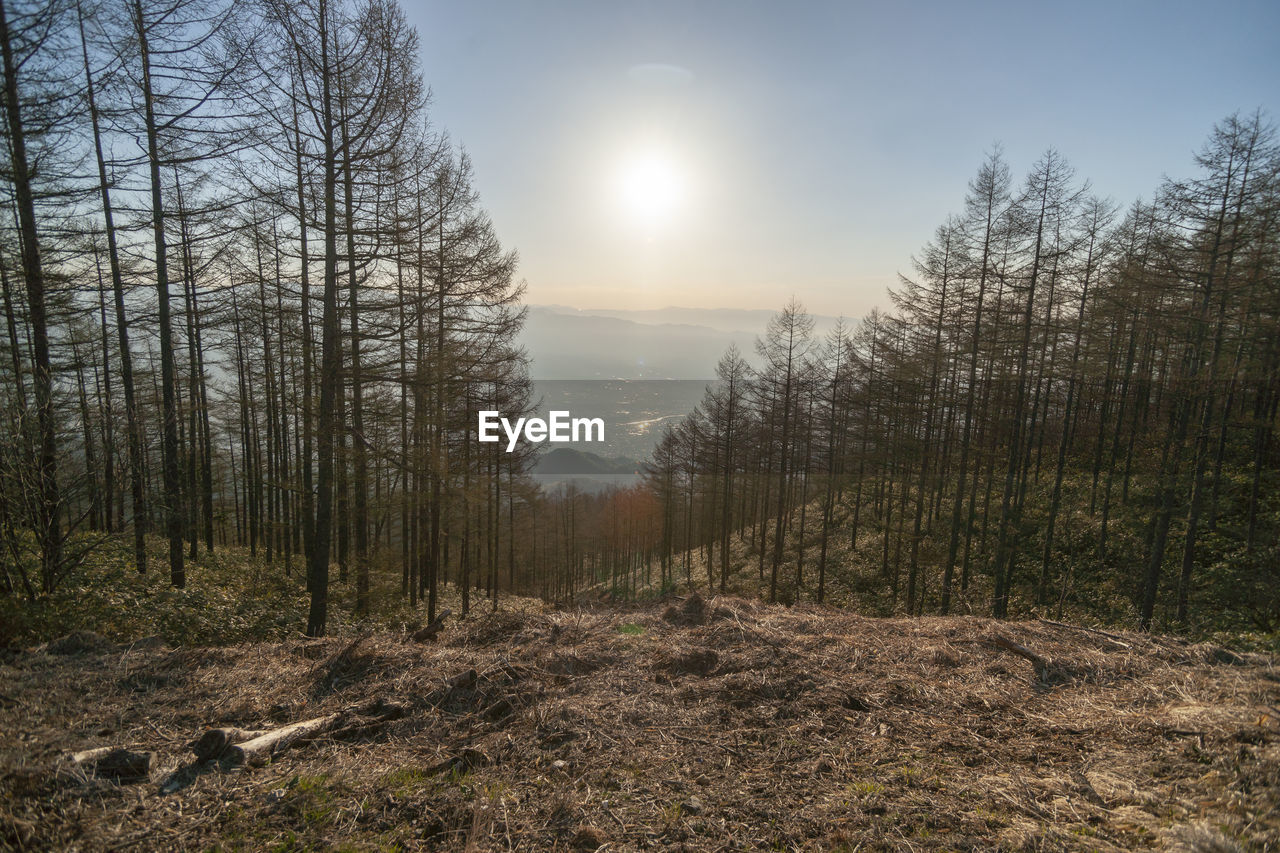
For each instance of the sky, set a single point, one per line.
(735, 154)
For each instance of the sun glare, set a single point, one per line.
(651, 187)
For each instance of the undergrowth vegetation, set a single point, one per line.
(1234, 606)
(230, 597)
(233, 597)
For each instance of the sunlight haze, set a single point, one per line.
(825, 141)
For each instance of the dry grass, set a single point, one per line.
(678, 725)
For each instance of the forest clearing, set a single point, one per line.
(681, 724)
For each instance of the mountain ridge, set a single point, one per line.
(667, 343)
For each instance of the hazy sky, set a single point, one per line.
(717, 154)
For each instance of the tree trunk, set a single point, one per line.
(49, 505)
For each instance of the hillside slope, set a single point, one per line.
(675, 725)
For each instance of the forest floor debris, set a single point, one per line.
(681, 724)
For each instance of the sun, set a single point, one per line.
(651, 187)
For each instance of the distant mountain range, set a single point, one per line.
(662, 343)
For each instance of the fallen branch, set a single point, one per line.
(259, 750)
(213, 743)
(1115, 638)
(464, 681)
(1019, 649)
(88, 756)
(256, 746)
(114, 762)
(1046, 670)
(428, 633)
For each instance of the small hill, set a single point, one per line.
(679, 725)
(566, 460)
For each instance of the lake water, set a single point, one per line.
(634, 410)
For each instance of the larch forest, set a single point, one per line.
(252, 302)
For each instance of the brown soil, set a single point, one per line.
(725, 725)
